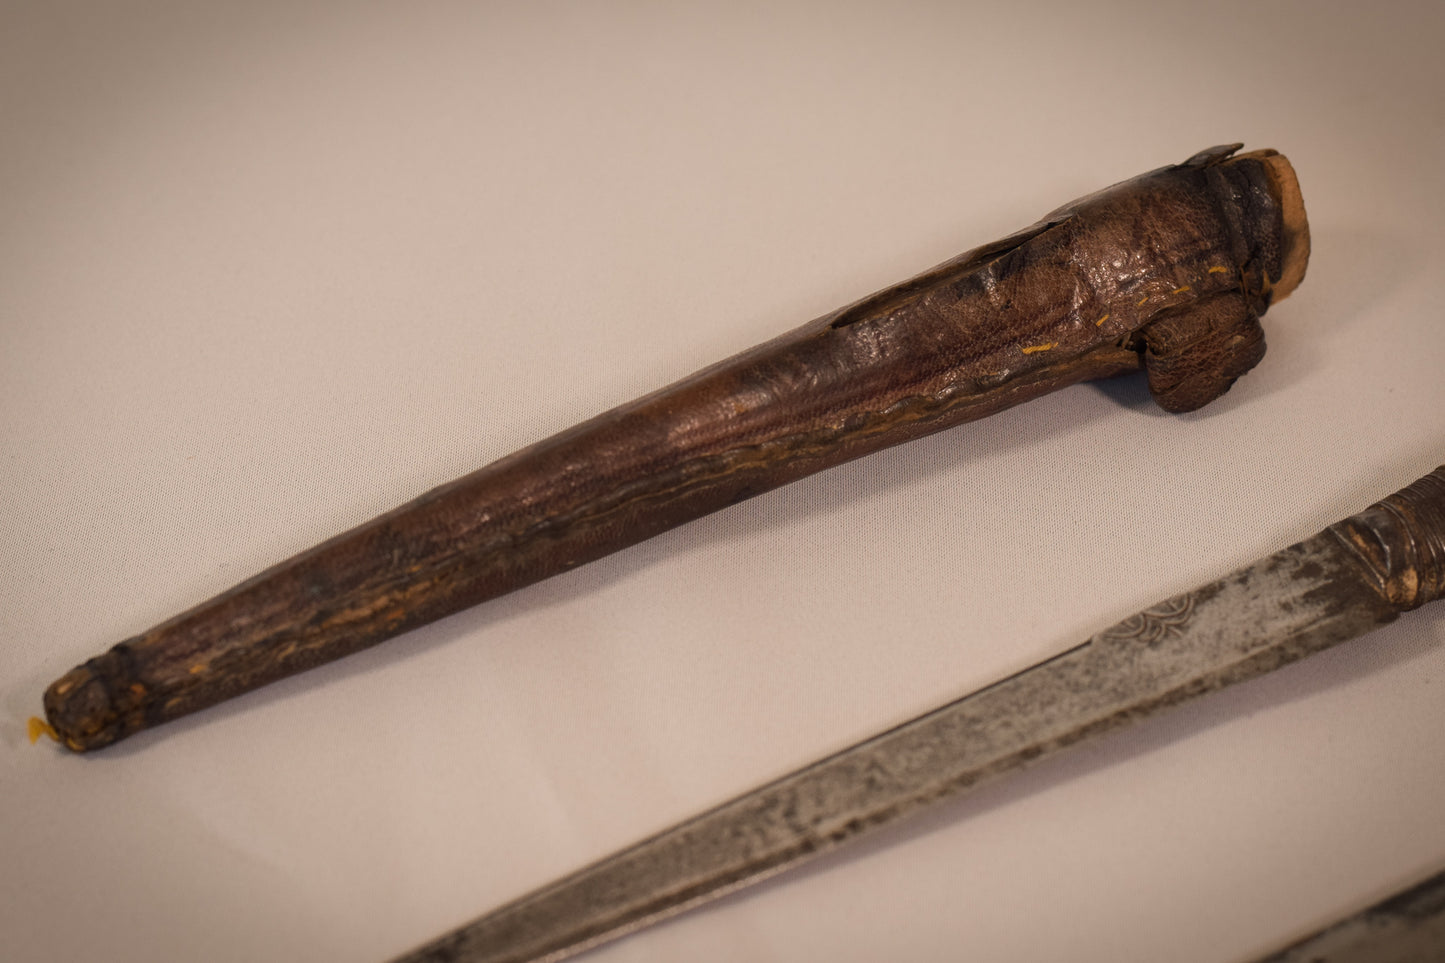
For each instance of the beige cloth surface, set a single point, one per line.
(267, 270)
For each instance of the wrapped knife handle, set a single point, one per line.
(1400, 542)
(1168, 272)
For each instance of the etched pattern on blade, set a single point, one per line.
(1156, 623)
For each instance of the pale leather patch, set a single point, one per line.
(1296, 225)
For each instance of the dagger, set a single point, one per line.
(1355, 576)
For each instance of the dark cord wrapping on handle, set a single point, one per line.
(1400, 541)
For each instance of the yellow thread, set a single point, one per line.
(198, 668)
(1218, 270)
(1180, 290)
(1141, 301)
(38, 727)
(1040, 347)
(1101, 320)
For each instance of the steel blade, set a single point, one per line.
(1342, 583)
(1408, 927)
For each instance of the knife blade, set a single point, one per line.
(1405, 927)
(1349, 579)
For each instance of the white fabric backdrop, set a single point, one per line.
(267, 270)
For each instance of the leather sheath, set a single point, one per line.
(1168, 272)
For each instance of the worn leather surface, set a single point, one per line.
(1169, 269)
(1195, 354)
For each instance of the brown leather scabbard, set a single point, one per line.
(1169, 272)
